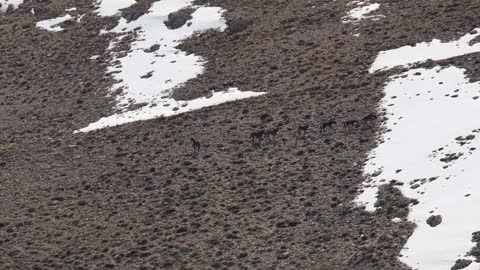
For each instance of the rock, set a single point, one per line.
(377, 173)
(414, 201)
(242, 255)
(146, 76)
(134, 16)
(10, 9)
(40, 11)
(360, 257)
(136, 106)
(153, 48)
(266, 118)
(461, 264)
(287, 223)
(178, 18)
(67, 24)
(111, 25)
(434, 220)
(237, 25)
(415, 186)
(57, 199)
(476, 237)
(283, 256)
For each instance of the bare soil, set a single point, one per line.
(135, 197)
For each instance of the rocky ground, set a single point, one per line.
(135, 197)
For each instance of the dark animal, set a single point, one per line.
(350, 123)
(302, 130)
(195, 145)
(369, 118)
(257, 135)
(271, 133)
(328, 125)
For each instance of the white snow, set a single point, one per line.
(112, 7)
(53, 24)
(396, 220)
(434, 50)
(175, 107)
(80, 18)
(361, 12)
(6, 3)
(425, 118)
(149, 77)
(169, 67)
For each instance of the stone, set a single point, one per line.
(461, 264)
(434, 220)
(237, 25)
(152, 48)
(178, 18)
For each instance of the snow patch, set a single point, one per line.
(396, 220)
(361, 12)
(174, 107)
(148, 74)
(434, 50)
(5, 3)
(112, 7)
(53, 24)
(431, 148)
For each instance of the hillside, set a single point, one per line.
(332, 134)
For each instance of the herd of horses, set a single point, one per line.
(271, 133)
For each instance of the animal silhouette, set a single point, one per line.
(196, 145)
(257, 135)
(350, 123)
(328, 125)
(271, 133)
(302, 130)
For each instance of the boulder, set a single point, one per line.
(434, 220)
(237, 25)
(178, 18)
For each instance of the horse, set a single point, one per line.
(259, 134)
(271, 133)
(195, 145)
(350, 123)
(328, 125)
(302, 129)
